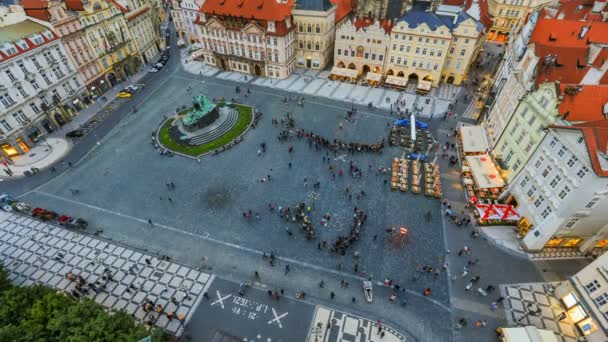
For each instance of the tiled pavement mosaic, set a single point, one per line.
(332, 326)
(30, 250)
(518, 296)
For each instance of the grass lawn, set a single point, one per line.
(245, 115)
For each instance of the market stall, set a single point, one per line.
(496, 214)
(487, 181)
(472, 140)
(344, 74)
(424, 87)
(395, 82)
(373, 79)
(525, 334)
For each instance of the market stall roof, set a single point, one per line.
(474, 139)
(503, 212)
(396, 80)
(484, 172)
(528, 334)
(372, 76)
(424, 85)
(344, 72)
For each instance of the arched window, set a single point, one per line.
(301, 44)
(318, 29)
(301, 28)
(317, 46)
(309, 29)
(308, 46)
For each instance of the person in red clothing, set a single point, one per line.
(427, 291)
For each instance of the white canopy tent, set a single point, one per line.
(484, 172)
(474, 139)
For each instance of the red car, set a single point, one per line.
(44, 215)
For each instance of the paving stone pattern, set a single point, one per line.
(28, 249)
(333, 326)
(518, 296)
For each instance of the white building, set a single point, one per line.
(562, 192)
(39, 85)
(141, 24)
(184, 14)
(585, 299)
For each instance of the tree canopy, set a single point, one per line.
(37, 313)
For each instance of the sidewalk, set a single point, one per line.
(41, 156)
(316, 83)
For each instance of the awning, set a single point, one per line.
(197, 53)
(372, 76)
(396, 81)
(344, 72)
(527, 334)
(424, 85)
(503, 212)
(474, 139)
(484, 172)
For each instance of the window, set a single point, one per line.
(22, 67)
(539, 162)
(34, 84)
(539, 201)
(561, 151)
(555, 181)
(392, 60)
(531, 191)
(463, 52)
(35, 108)
(571, 223)
(435, 66)
(516, 164)
(524, 181)
(380, 58)
(529, 146)
(592, 203)
(546, 212)
(424, 51)
(408, 49)
(10, 75)
(466, 41)
(20, 117)
(508, 157)
(373, 56)
(532, 119)
(592, 286)
(451, 51)
(6, 125)
(547, 171)
(419, 39)
(432, 53)
(553, 142)
(601, 299)
(417, 50)
(7, 100)
(410, 38)
(580, 140)
(395, 47)
(398, 60)
(582, 172)
(339, 50)
(439, 53)
(564, 192)
(572, 161)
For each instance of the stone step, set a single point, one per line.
(219, 131)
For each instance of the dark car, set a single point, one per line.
(77, 133)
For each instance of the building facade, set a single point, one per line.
(251, 38)
(141, 24)
(434, 46)
(525, 130)
(315, 22)
(507, 15)
(184, 14)
(361, 44)
(39, 86)
(108, 35)
(584, 297)
(562, 191)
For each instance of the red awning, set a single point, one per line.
(504, 212)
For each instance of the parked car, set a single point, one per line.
(77, 133)
(124, 94)
(44, 215)
(132, 88)
(152, 70)
(159, 66)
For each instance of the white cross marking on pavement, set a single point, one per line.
(220, 299)
(277, 318)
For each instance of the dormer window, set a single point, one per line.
(271, 26)
(48, 34)
(22, 44)
(37, 39)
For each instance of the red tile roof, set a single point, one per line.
(484, 12)
(361, 23)
(344, 7)
(119, 6)
(269, 10)
(572, 10)
(37, 9)
(565, 33)
(29, 42)
(74, 5)
(569, 67)
(585, 105)
(138, 13)
(454, 2)
(596, 140)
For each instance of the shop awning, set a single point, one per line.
(344, 72)
(527, 334)
(503, 212)
(474, 139)
(396, 81)
(372, 76)
(484, 172)
(197, 53)
(424, 85)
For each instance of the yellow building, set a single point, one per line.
(108, 35)
(508, 14)
(315, 21)
(433, 46)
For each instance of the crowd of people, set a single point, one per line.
(344, 242)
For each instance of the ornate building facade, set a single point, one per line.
(252, 38)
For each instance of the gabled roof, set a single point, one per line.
(419, 15)
(478, 10)
(596, 141)
(362, 23)
(74, 5)
(38, 9)
(313, 5)
(344, 8)
(23, 31)
(567, 33)
(269, 10)
(586, 103)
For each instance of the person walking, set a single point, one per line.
(287, 269)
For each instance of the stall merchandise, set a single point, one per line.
(432, 180)
(416, 177)
(399, 174)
